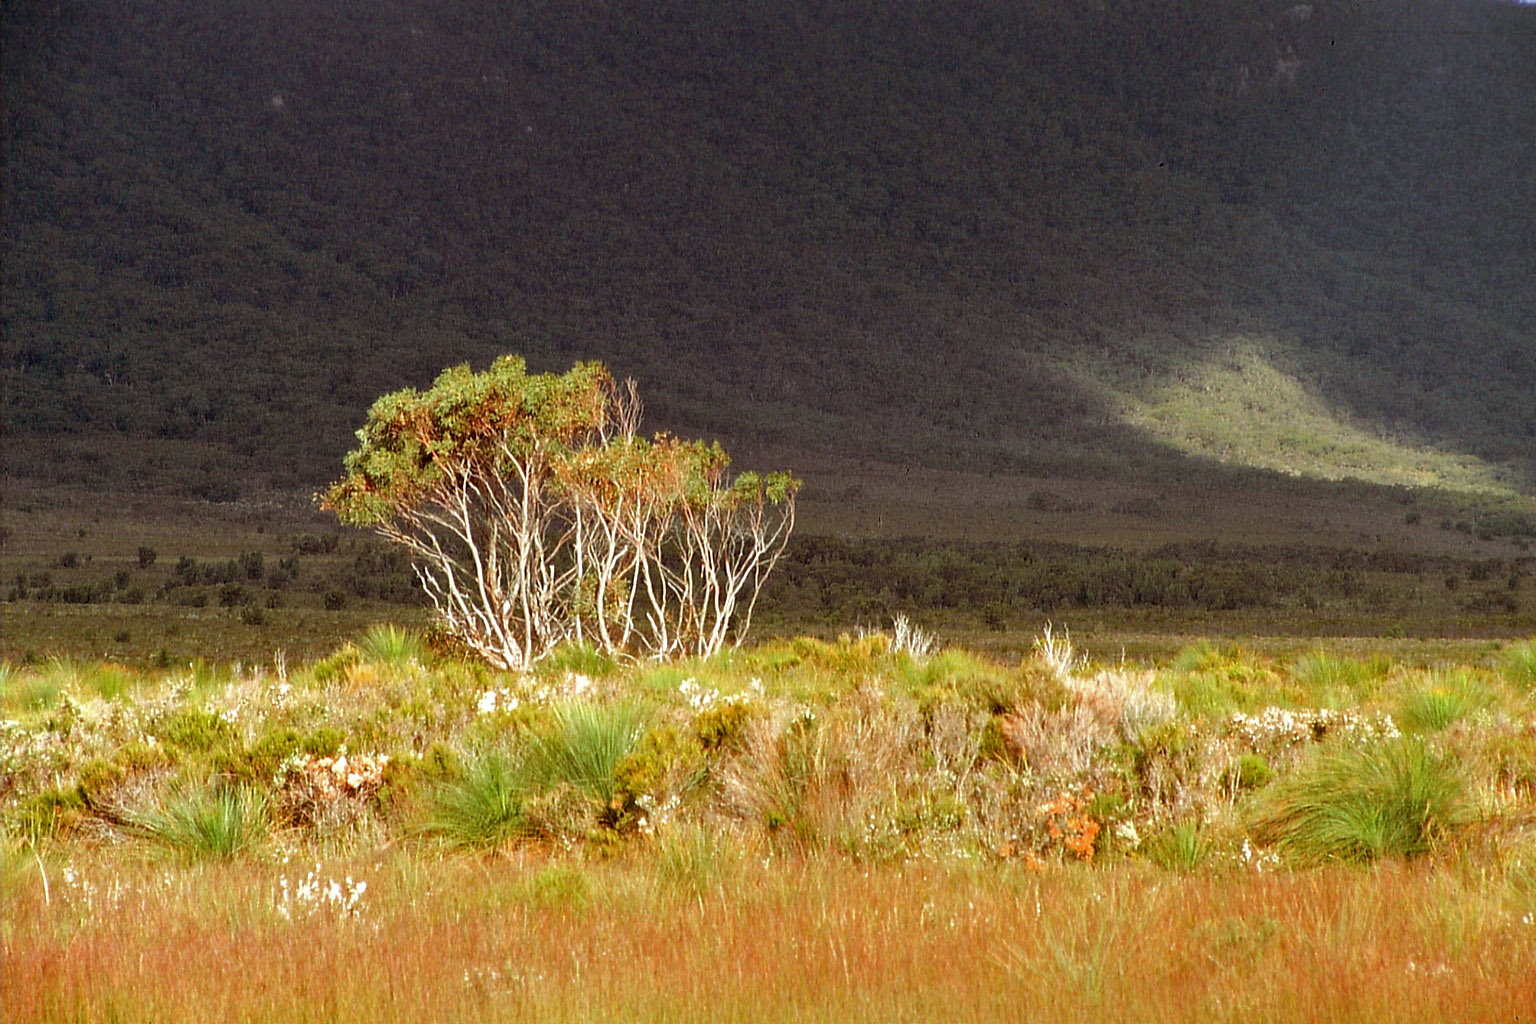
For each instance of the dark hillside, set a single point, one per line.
(1030, 236)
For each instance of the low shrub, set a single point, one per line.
(194, 730)
(1248, 771)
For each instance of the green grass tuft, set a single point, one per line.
(1181, 848)
(206, 823)
(483, 807)
(1327, 674)
(1393, 799)
(1520, 665)
(1442, 701)
(584, 748)
(392, 646)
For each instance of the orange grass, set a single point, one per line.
(820, 939)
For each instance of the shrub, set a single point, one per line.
(194, 729)
(219, 822)
(723, 726)
(1396, 798)
(1249, 771)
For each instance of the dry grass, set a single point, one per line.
(817, 831)
(791, 939)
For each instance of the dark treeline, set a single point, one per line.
(230, 224)
(841, 581)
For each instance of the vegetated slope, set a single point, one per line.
(997, 235)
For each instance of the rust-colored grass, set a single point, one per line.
(819, 939)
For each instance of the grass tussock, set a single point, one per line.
(206, 822)
(1398, 798)
(1520, 666)
(484, 807)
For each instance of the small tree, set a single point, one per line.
(537, 515)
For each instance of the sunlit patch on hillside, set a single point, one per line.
(1240, 407)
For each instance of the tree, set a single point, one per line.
(537, 515)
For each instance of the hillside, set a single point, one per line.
(1124, 239)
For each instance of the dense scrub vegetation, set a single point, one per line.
(845, 811)
(882, 746)
(302, 592)
(960, 235)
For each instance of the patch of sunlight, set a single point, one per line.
(1240, 408)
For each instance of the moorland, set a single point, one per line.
(1156, 639)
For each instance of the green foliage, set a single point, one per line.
(30, 691)
(492, 421)
(1248, 771)
(583, 747)
(663, 761)
(1214, 681)
(536, 513)
(334, 666)
(1183, 847)
(723, 726)
(193, 729)
(484, 805)
(1391, 799)
(1520, 665)
(49, 813)
(584, 659)
(1442, 700)
(391, 646)
(207, 822)
(98, 777)
(1323, 672)
(559, 887)
(324, 741)
(262, 759)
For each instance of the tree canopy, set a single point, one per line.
(538, 515)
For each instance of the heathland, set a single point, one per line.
(1201, 329)
(871, 828)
